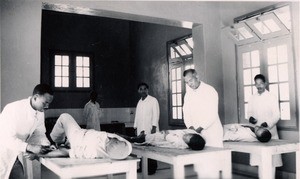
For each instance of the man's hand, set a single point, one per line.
(199, 129)
(264, 124)
(153, 130)
(252, 120)
(30, 156)
(141, 134)
(192, 127)
(34, 148)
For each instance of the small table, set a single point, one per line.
(73, 168)
(209, 157)
(266, 150)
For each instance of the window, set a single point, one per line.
(261, 26)
(72, 71)
(273, 57)
(180, 56)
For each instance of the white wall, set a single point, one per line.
(20, 49)
(0, 51)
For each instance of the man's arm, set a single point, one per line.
(153, 130)
(187, 113)
(199, 129)
(275, 114)
(155, 116)
(60, 152)
(211, 107)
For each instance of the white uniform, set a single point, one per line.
(147, 115)
(173, 138)
(92, 114)
(236, 132)
(18, 121)
(201, 110)
(264, 108)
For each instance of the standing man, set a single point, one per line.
(18, 121)
(263, 111)
(92, 112)
(146, 118)
(201, 109)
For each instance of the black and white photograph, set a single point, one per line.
(99, 89)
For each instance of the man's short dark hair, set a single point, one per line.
(260, 76)
(193, 71)
(265, 136)
(93, 95)
(142, 84)
(196, 142)
(42, 89)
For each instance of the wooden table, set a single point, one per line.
(73, 168)
(266, 150)
(209, 157)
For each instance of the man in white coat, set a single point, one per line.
(19, 120)
(146, 118)
(92, 112)
(263, 110)
(200, 109)
(200, 112)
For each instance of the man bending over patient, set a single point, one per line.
(186, 138)
(244, 132)
(86, 143)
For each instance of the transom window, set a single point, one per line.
(72, 71)
(260, 26)
(180, 58)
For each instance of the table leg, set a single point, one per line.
(265, 169)
(145, 167)
(131, 174)
(178, 170)
(226, 168)
(298, 164)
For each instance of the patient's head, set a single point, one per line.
(263, 134)
(194, 141)
(117, 149)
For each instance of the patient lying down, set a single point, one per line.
(181, 139)
(86, 143)
(245, 132)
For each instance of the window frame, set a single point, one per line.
(72, 71)
(182, 62)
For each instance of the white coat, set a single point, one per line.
(200, 109)
(18, 121)
(92, 114)
(146, 115)
(264, 108)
